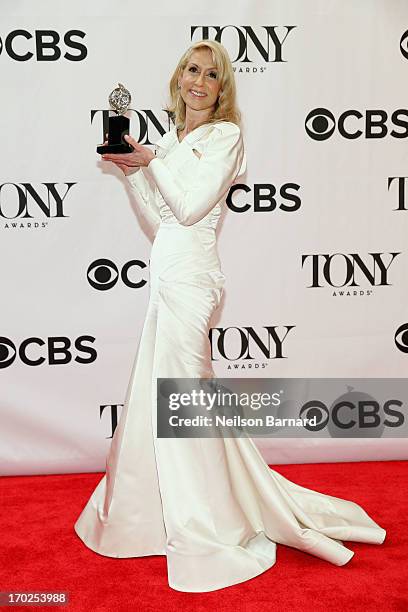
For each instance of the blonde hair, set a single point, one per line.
(226, 107)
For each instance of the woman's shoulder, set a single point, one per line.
(229, 136)
(227, 127)
(222, 132)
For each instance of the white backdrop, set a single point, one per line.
(70, 325)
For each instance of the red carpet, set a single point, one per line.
(40, 551)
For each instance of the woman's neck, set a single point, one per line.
(192, 122)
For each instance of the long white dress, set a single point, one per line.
(211, 505)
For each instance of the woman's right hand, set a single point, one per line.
(125, 169)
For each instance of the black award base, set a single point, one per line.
(118, 127)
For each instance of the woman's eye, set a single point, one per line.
(212, 74)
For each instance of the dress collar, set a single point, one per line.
(195, 134)
(169, 139)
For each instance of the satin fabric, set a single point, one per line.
(212, 506)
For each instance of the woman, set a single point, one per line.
(211, 505)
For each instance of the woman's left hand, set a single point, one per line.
(141, 156)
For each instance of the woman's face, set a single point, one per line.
(200, 75)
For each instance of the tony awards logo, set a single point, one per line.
(119, 100)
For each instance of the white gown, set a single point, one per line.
(211, 505)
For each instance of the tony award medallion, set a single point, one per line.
(119, 100)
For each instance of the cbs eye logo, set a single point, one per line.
(355, 414)
(103, 274)
(54, 350)
(404, 44)
(320, 123)
(401, 338)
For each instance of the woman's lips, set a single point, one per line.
(194, 96)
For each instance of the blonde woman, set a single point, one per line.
(211, 505)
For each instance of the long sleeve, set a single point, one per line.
(191, 199)
(145, 198)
